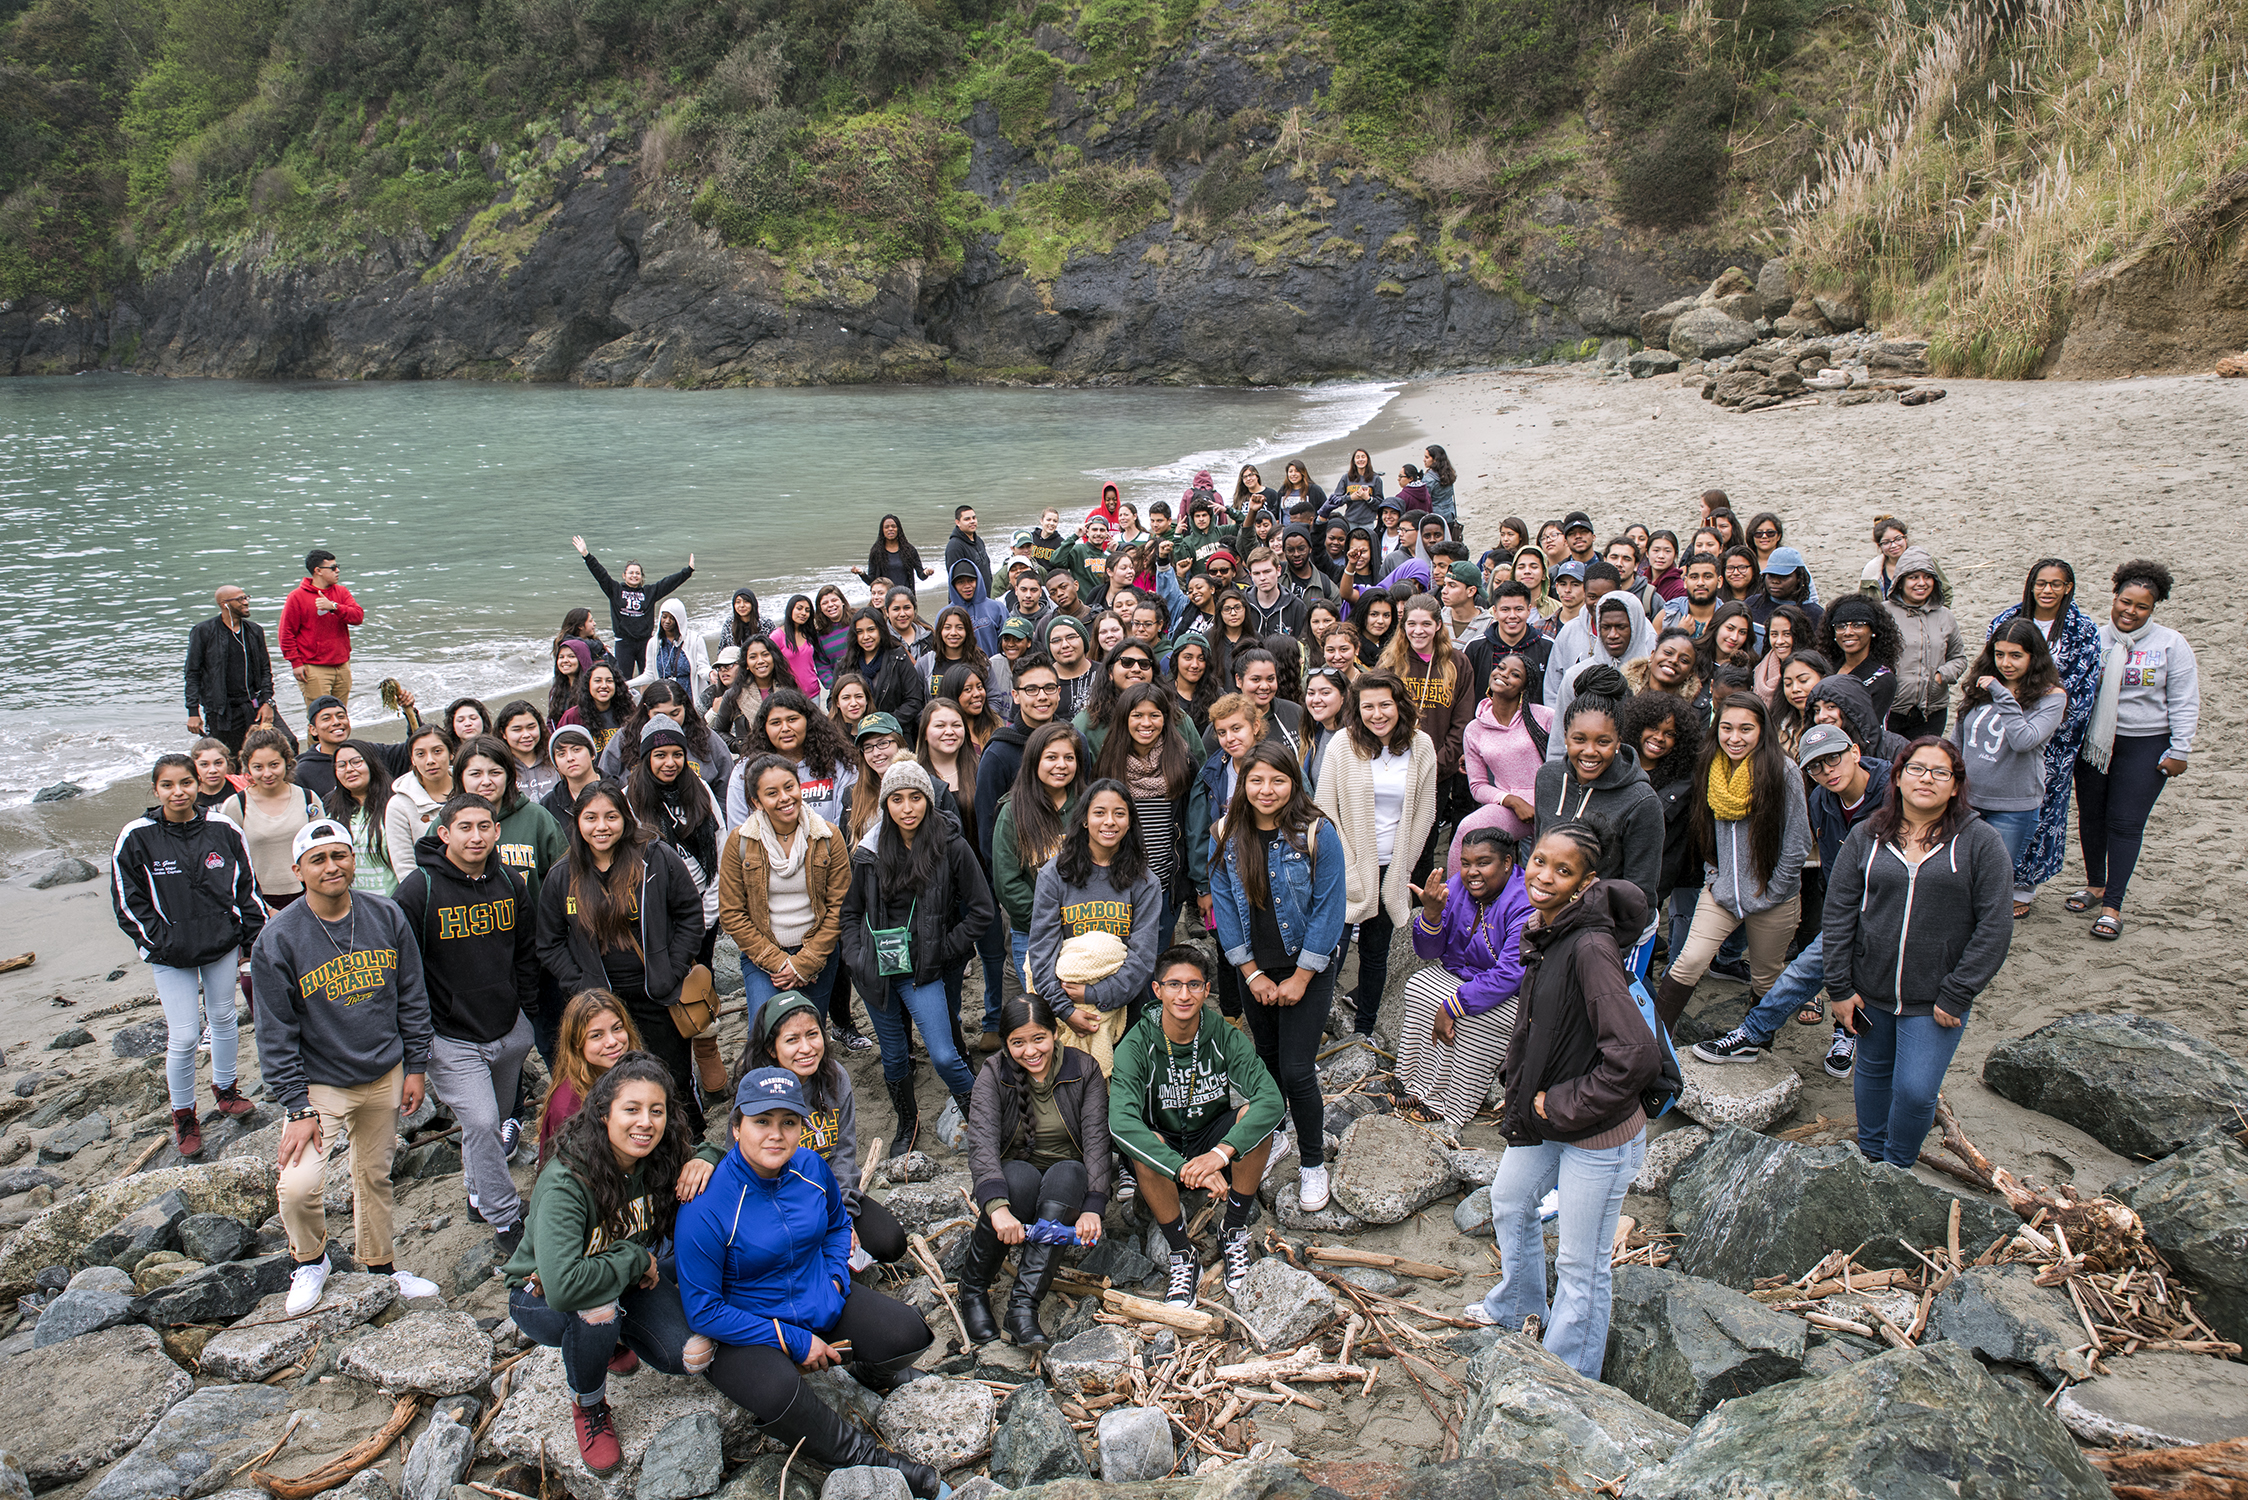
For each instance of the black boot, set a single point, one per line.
(985, 1252)
(833, 1443)
(909, 1117)
(1671, 1000)
(883, 1379)
(1035, 1266)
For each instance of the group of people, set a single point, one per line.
(1294, 718)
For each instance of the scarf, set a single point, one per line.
(688, 824)
(1730, 784)
(2115, 650)
(809, 826)
(1143, 774)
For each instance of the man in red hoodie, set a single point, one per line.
(316, 626)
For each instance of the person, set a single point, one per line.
(781, 882)
(1575, 1068)
(894, 558)
(895, 686)
(1613, 632)
(2011, 708)
(1512, 633)
(343, 1045)
(632, 604)
(964, 544)
(899, 958)
(898, 610)
(1439, 475)
(524, 730)
(1729, 641)
(1786, 584)
(1069, 642)
(464, 720)
(1916, 927)
(1890, 538)
(786, 724)
(2139, 739)
(1272, 609)
(229, 674)
(1530, 569)
(1791, 708)
(1151, 749)
(1671, 666)
(1098, 880)
(744, 621)
(584, 1276)
(472, 919)
(1302, 575)
(269, 811)
(1502, 751)
(763, 1260)
(1461, 593)
(531, 843)
(956, 641)
(415, 799)
(1598, 780)
(185, 894)
(215, 778)
(679, 807)
(1579, 537)
(595, 1035)
(572, 747)
(1860, 637)
(1666, 735)
(316, 621)
(1460, 1008)
(1663, 571)
(1296, 484)
(1357, 496)
(2073, 639)
(1436, 677)
(1930, 655)
(797, 642)
(833, 622)
(1326, 714)
(1171, 1115)
(1740, 575)
(681, 658)
(1033, 817)
(361, 802)
(1787, 629)
(603, 703)
(1379, 788)
(1696, 606)
(571, 659)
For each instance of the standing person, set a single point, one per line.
(893, 558)
(632, 604)
(1890, 538)
(1151, 749)
(1916, 928)
(269, 811)
(1097, 881)
(679, 807)
(1666, 735)
(524, 731)
(343, 1044)
(1439, 475)
(229, 674)
(1575, 1069)
(2073, 638)
(1357, 496)
(965, 545)
(1037, 698)
(1460, 1008)
(2010, 711)
(215, 780)
(603, 702)
(681, 658)
(571, 658)
(1379, 788)
(1503, 751)
(1930, 654)
(1859, 637)
(1436, 677)
(414, 799)
(1034, 816)
(1272, 609)
(532, 844)
(798, 642)
(1326, 715)
(1598, 780)
(471, 917)
(744, 622)
(2140, 735)
(316, 621)
(361, 802)
(894, 684)
(574, 763)
(1512, 633)
(781, 881)
(185, 894)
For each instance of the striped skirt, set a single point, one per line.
(1455, 1079)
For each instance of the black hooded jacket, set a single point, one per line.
(184, 892)
(1580, 1039)
(960, 546)
(478, 943)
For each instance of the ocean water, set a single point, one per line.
(125, 502)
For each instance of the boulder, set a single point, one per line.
(1946, 1427)
(1840, 312)
(75, 1137)
(686, 1460)
(1333, 1219)
(2002, 1314)
(1136, 1444)
(1649, 362)
(268, 1339)
(914, 1166)
(202, 1439)
(1283, 1304)
(24, 1179)
(2139, 1086)
(2159, 1401)
(1709, 332)
(440, 1352)
(1094, 1363)
(213, 1238)
(61, 791)
(1532, 1408)
(2195, 1206)
(645, 1403)
(148, 1039)
(1751, 1206)
(68, 870)
(438, 1158)
(1472, 1166)
(160, 1270)
(1118, 1261)
(1773, 293)
(1353, 1061)
(99, 1279)
(1654, 327)
(920, 1204)
(1681, 1344)
(760, 1479)
(1387, 1170)
(152, 1226)
(1035, 1442)
(1666, 1153)
(95, 1398)
(76, 1314)
(868, 1483)
(1471, 1216)
(70, 1039)
(239, 1187)
(1750, 1095)
(978, 1488)
(441, 1458)
(1899, 357)
(13, 1484)
(1371, 1278)
(938, 1422)
(218, 1295)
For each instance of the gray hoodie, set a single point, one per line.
(2004, 748)
(1731, 879)
(1905, 938)
(338, 1003)
(1060, 911)
(1932, 656)
(1622, 805)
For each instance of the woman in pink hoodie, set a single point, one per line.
(1501, 751)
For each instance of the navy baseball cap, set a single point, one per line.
(762, 1089)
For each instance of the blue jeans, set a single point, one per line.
(1018, 943)
(928, 1005)
(758, 987)
(1901, 1063)
(991, 947)
(1798, 985)
(650, 1323)
(189, 997)
(1682, 903)
(1592, 1187)
(2017, 829)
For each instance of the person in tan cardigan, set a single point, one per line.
(1378, 785)
(782, 876)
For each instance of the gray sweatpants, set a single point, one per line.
(476, 1081)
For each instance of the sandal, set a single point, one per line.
(2108, 927)
(2021, 910)
(1810, 1013)
(2083, 900)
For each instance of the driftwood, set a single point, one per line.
(1341, 1255)
(1145, 1310)
(20, 961)
(2205, 1471)
(922, 1253)
(337, 1470)
(1303, 1366)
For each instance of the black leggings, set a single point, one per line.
(659, 1036)
(2112, 808)
(763, 1381)
(1912, 723)
(1064, 1183)
(1374, 936)
(1288, 1037)
(880, 1233)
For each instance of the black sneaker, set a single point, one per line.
(511, 1137)
(1186, 1275)
(1731, 968)
(1842, 1054)
(1735, 1046)
(510, 1239)
(1234, 1246)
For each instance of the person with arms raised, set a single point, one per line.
(632, 604)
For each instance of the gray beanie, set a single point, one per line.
(906, 772)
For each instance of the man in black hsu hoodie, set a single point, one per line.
(471, 918)
(632, 605)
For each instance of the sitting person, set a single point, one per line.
(764, 1270)
(594, 1032)
(1170, 1113)
(1460, 1011)
(585, 1277)
(1038, 1148)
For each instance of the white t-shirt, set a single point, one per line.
(1393, 774)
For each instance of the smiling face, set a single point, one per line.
(1557, 870)
(1657, 741)
(1236, 734)
(1144, 723)
(1734, 635)
(1261, 681)
(1916, 587)
(2051, 591)
(1739, 574)
(1268, 789)
(780, 797)
(1377, 710)
(1590, 744)
(606, 1039)
(973, 695)
(800, 1045)
(1797, 681)
(1737, 733)
(1108, 817)
(268, 769)
(600, 686)
(1483, 870)
(1057, 764)
(785, 728)
(1855, 637)
(1033, 1047)
(1420, 630)
(769, 1139)
(600, 824)
(868, 637)
(945, 728)
(1671, 662)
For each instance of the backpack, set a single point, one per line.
(1669, 1081)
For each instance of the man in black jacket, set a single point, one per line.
(632, 604)
(963, 543)
(1510, 635)
(229, 674)
(315, 770)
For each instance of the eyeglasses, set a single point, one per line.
(1766, 531)
(1182, 986)
(1037, 687)
(1926, 773)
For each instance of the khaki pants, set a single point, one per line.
(1768, 935)
(365, 1116)
(320, 680)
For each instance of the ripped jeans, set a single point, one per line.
(650, 1323)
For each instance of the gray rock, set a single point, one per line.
(26, 1086)
(148, 1039)
(2159, 1401)
(914, 1166)
(1472, 1166)
(2139, 1086)
(475, 1265)
(441, 1459)
(215, 1238)
(537, 1415)
(1119, 1262)
(367, 1484)
(760, 1479)
(75, 1137)
(1947, 1428)
(686, 1460)
(866, 1484)
(196, 1441)
(254, 1352)
(13, 1484)
(1840, 311)
(1351, 1062)
(1333, 1219)
(76, 1314)
(1372, 1278)
(1654, 327)
(1708, 332)
(1135, 1444)
(1899, 357)
(979, 1488)
(152, 1226)
(1649, 362)
(1094, 1363)
(1530, 1407)
(938, 1422)
(1682, 1345)
(24, 1179)
(920, 1204)
(241, 1189)
(440, 1158)
(1750, 1095)
(95, 1397)
(440, 1352)
(1612, 353)
(835, 1386)
(1472, 1214)
(1666, 1153)
(61, 791)
(60, 1108)
(68, 870)
(2002, 1314)
(1772, 290)
(1751, 1206)
(217, 1295)
(71, 1038)
(2195, 1205)
(1283, 1304)
(1387, 1170)
(101, 1279)
(1034, 1442)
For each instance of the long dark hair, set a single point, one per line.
(2042, 677)
(604, 903)
(740, 632)
(1642, 712)
(2029, 586)
(1100, 704)
(1800, 632)
(1747, 553)
(1767, 812)
(495, 750)
(1074, 860)
(1888, 821)
(824, 745)
(1298, 820)
(964, 760)
(1014, 1078)
(1443, 462)
(1705, 645)
(1856, 609)
(584, 1149)
(799, 639)
(903, 867)
(1039, 829)
(591, 714)
(1400, 740)
(679, 812)
(516, 708)
(857, 660)
(1172, 756)
(662, 693)
(970, 652)
(984, 725)
(454, 707)
(878, 555)
(343, 807)
(1196, 700)
(823, 1090)
(1785, 718)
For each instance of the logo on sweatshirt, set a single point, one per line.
(349, 978)
(214, 861)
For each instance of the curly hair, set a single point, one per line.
(1856, 609)
(1642, 712)
(824, 745)
(2145, 572)
(586, 1152)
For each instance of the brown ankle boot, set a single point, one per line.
(231, 1100)
(187, 1132)
(1671, 999)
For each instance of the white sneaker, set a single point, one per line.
(410, 1285)
(1549, 1207)
(1311, 1189)
(305, 1285)
(1476, 1312)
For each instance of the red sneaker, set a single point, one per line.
(187, 1132)
(623, 1362)
(231, 1101)
(597, 1436)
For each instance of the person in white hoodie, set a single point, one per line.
(1611, 643)
(414, 799)
(677, 652)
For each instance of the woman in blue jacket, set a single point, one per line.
(763, 1257)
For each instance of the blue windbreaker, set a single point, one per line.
(765, 1262)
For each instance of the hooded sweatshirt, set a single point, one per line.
(765, 1261)
(1906, 939)
(996, 769)
(479, 960)
(984, 613)
(1864, 720)
(310, 638)
(1579, 1038)
(1357, 501)
(1578, 643)
(961, 546)
(1061, 911)
(1622, 804)
(686, 662)
(338, 1003)
(184, 892)
(1731, 879)
(1160, 1088)
(2003, 744)
(1933, 657)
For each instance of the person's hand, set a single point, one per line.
(1207, 1171)
(322, 604)
(1442, 1028)
(821, 1357)
(410, 1097)
(1204, 902)
(265, 717)
(194, 723)
(693, 1175)
(1846, 1014)
(1263, 990)
(297, 672)
(1089, 1228)
(652, 1275)
(1291, 990)
(406, 697)
(1538, 1104)
(2173, 765)
(298, 1137)
(579, 543)
(1433, 896)
(1519, 808)
(784, 977)
(1006, 1226)
(690, 560)
(1084, 1020)
(1986, 683)
(1074, 990)
(1945, 1018)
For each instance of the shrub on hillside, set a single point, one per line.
(1668, 116)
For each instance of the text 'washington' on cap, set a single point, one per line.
(762, 1089)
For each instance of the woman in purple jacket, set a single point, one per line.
(1459, 1012)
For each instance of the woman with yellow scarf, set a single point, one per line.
(1754, 832)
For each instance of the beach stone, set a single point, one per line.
(13, 1485)
(28, 1084)
(252, 1353)
(1371, 1278)
(914, 1166)
(1651, 362)
(1531, 1407)
(2003, 1315)
(686, 1460)
(152, 1226)
(213, 1238)
(61, 791)
(75, 1137)
(1654, 327)
(68, 870)
(1119, 1262)
(23, 1179)
(70, 1039)
(75, 1314)
(440, 1158)
(95, 1397)
(2139, 1086)
(442, 1353)
(760, 1479)
(1946, 1427)
(1773, 295)
(475, 1265)
(2159, 1401)
(162, 1270)
(1035, 1442)
(1284, 1304)
(1352, 1062)
(148, 1039)
(1841, 312)
(1333, 1219)
(367, 1484)
(218, 1295)
(1094, 1363)
(1135, 1444)
(1750, 1095)
(61, 1107)
(193, 1442)
(920, 1204)
(1682, 1344)
(99, 1279)
(1471, 1216)
(1472, 1166)
(867, 1483)
(1708, 332)
(1387, 1170)
(1666, 1153)
(938, 1422)
(645, 1403)
(979, 1488)
(2195, 1207)
(1751, 1206)
(240, 1188)
(441, 1458)
(1899, 356)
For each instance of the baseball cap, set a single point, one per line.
(1465, 573)
(762, 1089)
(1783, 561)
(321, 705)
(876, 723)
(1819, 742)
(1576, 520)
(1022, 538)
(1571, 569)
(730, 657)
(1017, 627)
(315, 833)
